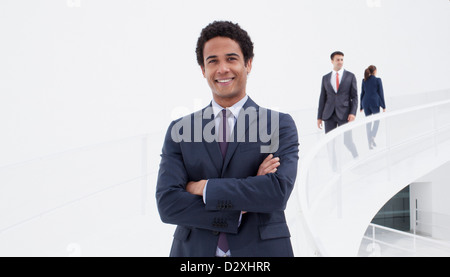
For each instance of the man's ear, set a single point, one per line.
(203, 71)
(249, 66)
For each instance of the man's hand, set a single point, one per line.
(319, 123)
(351, 117)
(269, 165)
(196, 188)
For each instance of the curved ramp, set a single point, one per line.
(340, 194)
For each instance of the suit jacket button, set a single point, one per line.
(215, 233)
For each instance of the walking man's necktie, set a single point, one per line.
(337, 81)
(223, 144)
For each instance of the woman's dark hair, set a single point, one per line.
(336, 53)
(225, 29)
(369, 72)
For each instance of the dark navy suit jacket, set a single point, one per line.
(344, 102)
(372, 95)
(232, 187)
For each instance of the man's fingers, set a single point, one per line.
(268, 158)
(267, 161)
(269, 165)
(270, 162)
(273, 166)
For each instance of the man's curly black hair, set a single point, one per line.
(225, 29)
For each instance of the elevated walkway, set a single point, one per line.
(339, 194)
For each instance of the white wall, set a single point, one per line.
(421, 199)
(432, 192)
(79, 72)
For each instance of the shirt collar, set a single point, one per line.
(340, 72)
(235, 109)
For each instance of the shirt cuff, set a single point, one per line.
(204, 192)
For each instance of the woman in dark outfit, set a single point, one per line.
(372, 98)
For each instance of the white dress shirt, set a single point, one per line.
(333, 78)
(235, 109)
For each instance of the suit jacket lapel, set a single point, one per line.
(212, 147)
(328, 82)
(232, 146)
(344, 77)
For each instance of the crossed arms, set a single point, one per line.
(269, 165)
(266, 190)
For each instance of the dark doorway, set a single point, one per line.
(395, 213)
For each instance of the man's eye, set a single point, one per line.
(211, 61)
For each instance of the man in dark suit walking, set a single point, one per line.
(338, 102)
(227, 171)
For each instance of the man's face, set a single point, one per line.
(338, 62)
(225, 69)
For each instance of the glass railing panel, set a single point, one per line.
(380, 241)
(402, 127)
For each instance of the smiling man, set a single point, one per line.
(227, 197)
(226, 70)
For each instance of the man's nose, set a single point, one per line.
(223, 68)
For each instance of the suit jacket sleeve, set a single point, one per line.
(362, 94)
(322, 99)
(175, 204)
(265, 193)
(381, 92)
(354, 96)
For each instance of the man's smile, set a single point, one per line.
(224, 82)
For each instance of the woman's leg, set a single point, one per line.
(368, 112)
